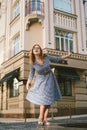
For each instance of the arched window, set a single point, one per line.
(63, 40)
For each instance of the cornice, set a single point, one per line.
(73, 56)
(25, 54)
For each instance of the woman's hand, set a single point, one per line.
(28, 85)
(66, 56)
(69, 53)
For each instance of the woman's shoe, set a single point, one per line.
(40, 122)
(46, 123)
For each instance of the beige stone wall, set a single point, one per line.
(34, 36)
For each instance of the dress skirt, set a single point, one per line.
(45, 90)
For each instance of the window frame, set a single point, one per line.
(13, 92)
(16, 9)
(65, 87)
(59, 5)
(17, 44)
(59, 36)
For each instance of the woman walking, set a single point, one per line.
(46, 89)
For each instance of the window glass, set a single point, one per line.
(62, 44)
(17, 45)
(33, 5)
(71, 45)
(62, 88)
(57, 43)
(63, 5)
(65, 86)
(14, 90)
(1, 53)
(65, 42)
(68, 88)
(36, 5)
(16, 9)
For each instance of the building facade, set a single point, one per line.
(57, 25)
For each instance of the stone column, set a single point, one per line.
(1, 99)
(4, 96)
(22, 98)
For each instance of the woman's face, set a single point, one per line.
(36, 50)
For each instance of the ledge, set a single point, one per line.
(73, 56)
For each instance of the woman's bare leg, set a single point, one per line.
(46, 113)
(41, 115)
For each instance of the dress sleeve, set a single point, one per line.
(32, 72)
(54, 58)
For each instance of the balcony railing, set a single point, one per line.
(65, 21)
(33, 7)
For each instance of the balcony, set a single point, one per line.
(65, 21)
(34, 11)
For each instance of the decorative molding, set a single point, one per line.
(30, 19)
(73, 56)
(65, 20)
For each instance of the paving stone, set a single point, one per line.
(56, 124)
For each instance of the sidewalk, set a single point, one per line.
(75, 117)
(77, 122)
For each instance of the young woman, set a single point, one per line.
(46, 89)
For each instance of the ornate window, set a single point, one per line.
(63, 5)
(63, 40)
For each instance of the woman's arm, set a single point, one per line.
(28, 84)
(66, 56)
(30, 78)
(57, 59)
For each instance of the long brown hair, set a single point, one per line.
(32, 56)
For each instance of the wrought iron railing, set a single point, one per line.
(34, 7)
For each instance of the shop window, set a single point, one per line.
(63, 5)
(65, 86)
(63, 40)
(14, 90)
(16, 45)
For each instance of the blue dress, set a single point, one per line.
(46, 89)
